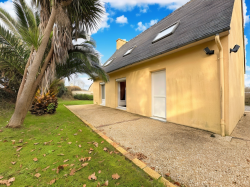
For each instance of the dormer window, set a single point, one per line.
(166, 32)
(129, 51)
(108, 62)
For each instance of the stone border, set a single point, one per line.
(153, 174)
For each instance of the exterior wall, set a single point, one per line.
(192, 78)
(236, 86)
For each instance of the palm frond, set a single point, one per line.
(85, 15)
(8, 21)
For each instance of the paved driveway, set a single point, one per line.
(191, 156)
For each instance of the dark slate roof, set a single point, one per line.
(199, 19)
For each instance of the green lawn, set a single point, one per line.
(57, 130)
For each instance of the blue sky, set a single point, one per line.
(126, 19)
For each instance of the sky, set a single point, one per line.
(125, 19)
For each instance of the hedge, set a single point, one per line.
(83, 97)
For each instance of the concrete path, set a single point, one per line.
(191, 156)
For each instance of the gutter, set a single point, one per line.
(222, 84)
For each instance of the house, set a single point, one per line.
(186, 69)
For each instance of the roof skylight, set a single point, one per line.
(108, 62)
(166, 32)
(129, 51)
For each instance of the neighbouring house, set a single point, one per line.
(186, 69)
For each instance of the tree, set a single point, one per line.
(67, 19)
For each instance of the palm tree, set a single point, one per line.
(67, 20)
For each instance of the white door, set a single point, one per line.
(159, 94)
(103, 93)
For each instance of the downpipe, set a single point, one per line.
(222, 84)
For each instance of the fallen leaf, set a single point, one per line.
(20, 141)
(59, 168)
(106, 183)
(61, 129)
(35, 159)
(46, 143)
(50, 141)
(167, 174)
(19, 149)
(36, 143)
(1, 177)
(96, 144)
(61, 154)
(115, 176)
(85, 159)
(13, 141)
(111, 152)
(91, 149)
(13, 163)
(53, 169)
(92, 177)
(72, 172)
(44, 154)
(7, 182)
(1, 131)
(55, 162)
(84, 165)
(21, 165)
(80, 130)
(69, 142)
(52, 181)
(32, 150)
(46, 168)
(105, 149)
(102, 142)
(178, 184)
(37, 175)
(59, 146)
(66, 160)
(84, 185)
(65, 165)
(72, 165)
(75, 134)
(65, 175)
(79, 145)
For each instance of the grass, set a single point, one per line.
(60, 129)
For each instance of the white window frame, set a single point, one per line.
(176, 24)
(127, 53)
(108, 62)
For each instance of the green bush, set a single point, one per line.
(83, 97)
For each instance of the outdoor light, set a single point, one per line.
(208, 51)
(235, 49)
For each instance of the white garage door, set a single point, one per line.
(159, 94)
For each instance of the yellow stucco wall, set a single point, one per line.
(193, 87)
(236, 86)
(192, 78)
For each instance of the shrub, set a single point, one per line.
(44, 104)
(83, 97)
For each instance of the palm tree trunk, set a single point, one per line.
(22, 105)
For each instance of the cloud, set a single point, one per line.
(130, 4)
(143, 27)
(122, 20)
(246, 17)
(246, 40)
